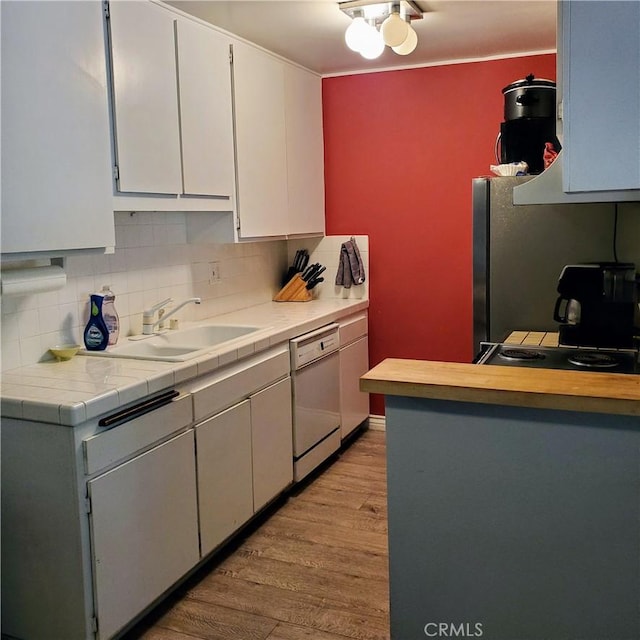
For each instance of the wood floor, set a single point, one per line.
(316, 568)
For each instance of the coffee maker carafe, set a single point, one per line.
(601, 301)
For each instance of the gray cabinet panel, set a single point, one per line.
(524, 521)
(601, 92)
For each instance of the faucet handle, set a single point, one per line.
(155, 307)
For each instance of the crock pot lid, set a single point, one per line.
(530, 81)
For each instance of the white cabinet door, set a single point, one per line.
(205, 110)
(261, 158)
(601, 94)
(272, 442)
(354, 404)
(145, 97)
(305, 151)
(144, 529)
(225, 481)
(56, 156)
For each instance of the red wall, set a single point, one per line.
(401, 148)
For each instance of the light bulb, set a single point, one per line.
(394, 30)
(356, 33)
(373, 46)
(409, 44)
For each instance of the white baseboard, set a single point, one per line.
(377, 423)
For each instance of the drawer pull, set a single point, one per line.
(138, 410)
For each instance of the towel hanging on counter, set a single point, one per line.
(350, 267)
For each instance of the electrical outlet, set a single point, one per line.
(214, 272)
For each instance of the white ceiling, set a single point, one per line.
(311, 32)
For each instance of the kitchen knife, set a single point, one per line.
(313, 271)
(304, 261)
(310, 271)
(295, 266)
(313, 282)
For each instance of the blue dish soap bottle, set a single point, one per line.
(96, 334)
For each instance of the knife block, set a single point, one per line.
(294, 291)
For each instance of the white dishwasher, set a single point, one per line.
(315, 374)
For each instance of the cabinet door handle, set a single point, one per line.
(138, 410)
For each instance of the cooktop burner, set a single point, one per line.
(594, 360)
(521, 355)
(567, 358)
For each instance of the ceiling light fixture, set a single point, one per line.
(393, 19)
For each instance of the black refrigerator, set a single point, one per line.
(519, 252)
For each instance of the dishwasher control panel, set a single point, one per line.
(314, 345)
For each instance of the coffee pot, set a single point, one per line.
(600, 305)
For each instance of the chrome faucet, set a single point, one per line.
(148, 316)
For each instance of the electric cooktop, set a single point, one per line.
(566, 358)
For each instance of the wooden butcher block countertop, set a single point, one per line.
(612, 393)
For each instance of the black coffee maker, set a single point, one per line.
(601, 305)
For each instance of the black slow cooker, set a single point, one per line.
(530, 97)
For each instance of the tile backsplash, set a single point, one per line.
(152, 262)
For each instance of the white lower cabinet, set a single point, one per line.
(144, 530)
(225, 477)
(244, 445)
(244, 460)
(354, 404)
(354, 362)
(272, 442)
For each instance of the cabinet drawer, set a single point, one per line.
(237, 382)
(352, 328)
(119, 442)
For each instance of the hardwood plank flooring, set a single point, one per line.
(315, 568)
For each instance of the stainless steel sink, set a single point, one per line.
(177, 346)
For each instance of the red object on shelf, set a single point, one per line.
(549, 154)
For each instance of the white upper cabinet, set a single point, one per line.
(305, 151)
(205, 110)
(56, 156)
(279, 146)
(601, 95)
(261, 153)
(144, 77)
(172, 111)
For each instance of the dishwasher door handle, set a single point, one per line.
(137, 410)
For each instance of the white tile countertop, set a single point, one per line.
(74, 391)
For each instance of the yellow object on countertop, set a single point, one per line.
(64, 351)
